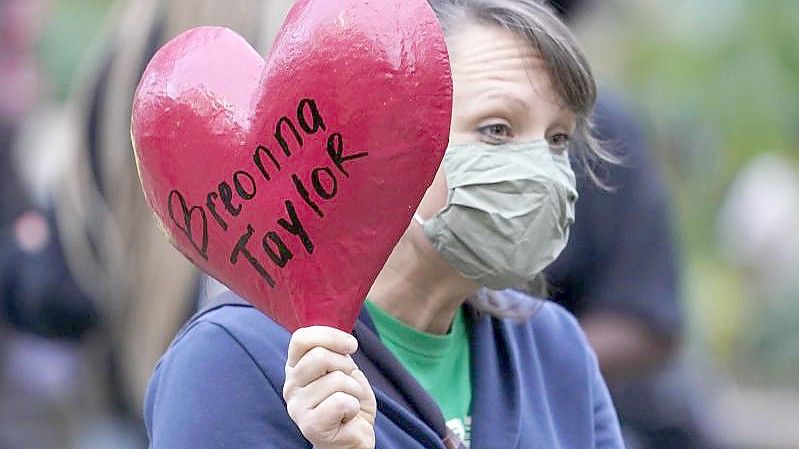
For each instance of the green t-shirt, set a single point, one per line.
(440, 363)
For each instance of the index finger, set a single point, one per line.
(330, 338)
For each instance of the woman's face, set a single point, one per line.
(501, 94)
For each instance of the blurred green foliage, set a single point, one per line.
(725, 72)
(69, 32)
(719, 82)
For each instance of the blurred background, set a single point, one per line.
(717, 84)
(713, 83)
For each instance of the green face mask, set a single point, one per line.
(508, 211)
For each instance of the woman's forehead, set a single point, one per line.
(490, 61)
(481, 46)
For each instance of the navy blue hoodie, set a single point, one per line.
(535, 384)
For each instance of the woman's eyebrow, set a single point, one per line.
(566, 118)
(506, 97)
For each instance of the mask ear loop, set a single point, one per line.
(418, 218)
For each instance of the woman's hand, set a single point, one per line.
(328, 398)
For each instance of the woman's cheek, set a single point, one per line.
(435, 198)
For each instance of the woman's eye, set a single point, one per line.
(559, 142)
(496, 133)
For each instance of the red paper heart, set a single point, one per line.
(291, 180)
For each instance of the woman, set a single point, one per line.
(428, 367)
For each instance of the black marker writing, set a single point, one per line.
(317, 123)
(315, 187)
(257, 158)
(305, 195)
(241, 248)
(247, 194)
(335, 150)
(294, 226)
(318, 185)
(281, 140)
(226, 195)
(212, 208)
(283, 254)
(186, 226)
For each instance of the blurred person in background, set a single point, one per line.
(44, 315)
(763, 248)
(143, 288)
(619, 275)
(18, 92)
